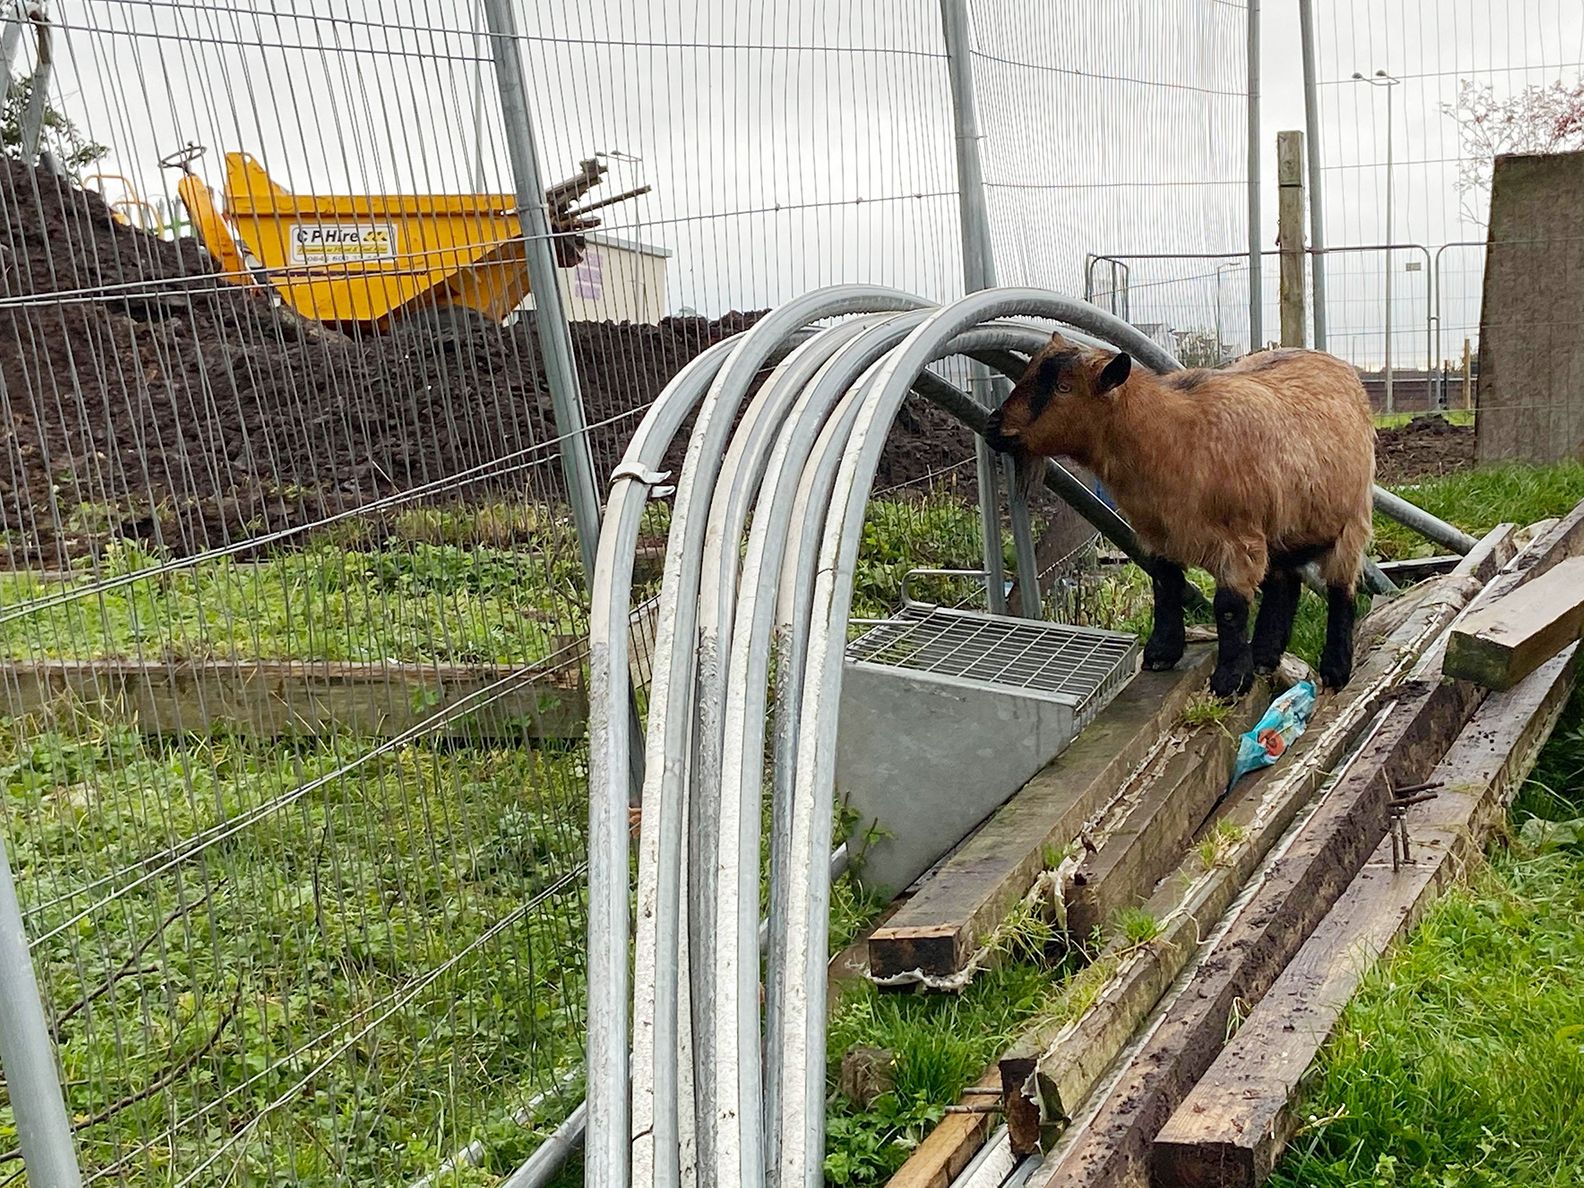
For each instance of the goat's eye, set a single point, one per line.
(1064, 387)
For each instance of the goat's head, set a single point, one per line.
(1063, 396)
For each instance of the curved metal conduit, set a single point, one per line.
(847, 368)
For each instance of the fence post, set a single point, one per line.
(27, 1054)
(550, 320)
(1289, 234)
(1317, 240)
(1256, 286)
(979, 273)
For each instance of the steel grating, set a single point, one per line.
(1079, 665)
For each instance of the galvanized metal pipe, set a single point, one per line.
(1317, 241)
(549, 1157)
(1422, 522)
(1028, 301)
(724, 870)
(978, 265)
(1256, 277)
(609, 744)
(550, 320)
(27, 1054)
(669, 731)
(802, 1025)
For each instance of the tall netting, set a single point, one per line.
(291, 601)
(1114, 131)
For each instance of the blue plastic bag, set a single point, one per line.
(1283, 722)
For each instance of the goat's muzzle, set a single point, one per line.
(996, 438)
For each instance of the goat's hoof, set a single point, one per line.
(1265, 665)
(1162, 657)
(1231, 683)
(1335, 676)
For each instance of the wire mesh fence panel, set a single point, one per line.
(292, 609)
(296, 791)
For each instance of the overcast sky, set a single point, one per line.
(803, 142)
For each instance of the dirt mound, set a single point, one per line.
(143, 396)
(1426, 446)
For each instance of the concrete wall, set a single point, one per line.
(1531, 384)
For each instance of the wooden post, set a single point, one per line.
(1468, 376)
(1290, 235)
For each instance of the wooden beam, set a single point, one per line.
(1513, 636)
(1232, 1127)
(279, 698)
(1424, 716)
(1069, 1058)
(971, 892)
(947, 1149)
(1152, 830)
(1290, 235)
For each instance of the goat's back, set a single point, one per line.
(1280, 446)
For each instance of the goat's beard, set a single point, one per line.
(1027, 471)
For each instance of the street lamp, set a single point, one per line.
(1382, 79)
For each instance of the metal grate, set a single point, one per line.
(1080, 665)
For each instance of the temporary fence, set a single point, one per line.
(314, 372)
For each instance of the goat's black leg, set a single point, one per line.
(1274, 623)
(1336, 658)
(1234, 670)
(1166, 642)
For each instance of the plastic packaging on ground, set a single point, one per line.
(1276, 730)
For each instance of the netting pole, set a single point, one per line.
(550, 319)
(27, 1054)
(1256, 281)
(1317, 240)
(31, 122)
(979, 273)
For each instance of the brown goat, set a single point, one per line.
(1249, 472)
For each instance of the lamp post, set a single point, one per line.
(1382, 79)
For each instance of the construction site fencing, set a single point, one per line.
(293, 592)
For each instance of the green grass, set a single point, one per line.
(941, 1044)
(1478, 500)
(1462, 1059)
(330, 949)
(1455, 416)
(402, 602)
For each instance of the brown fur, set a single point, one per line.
(1272, 455)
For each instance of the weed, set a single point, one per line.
(1205, 709)
(1215, 848)
(1136, 926)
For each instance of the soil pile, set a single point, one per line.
(1426, 446)
(144, 396)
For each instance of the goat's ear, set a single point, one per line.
(1114, 374)
(1056, 340)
